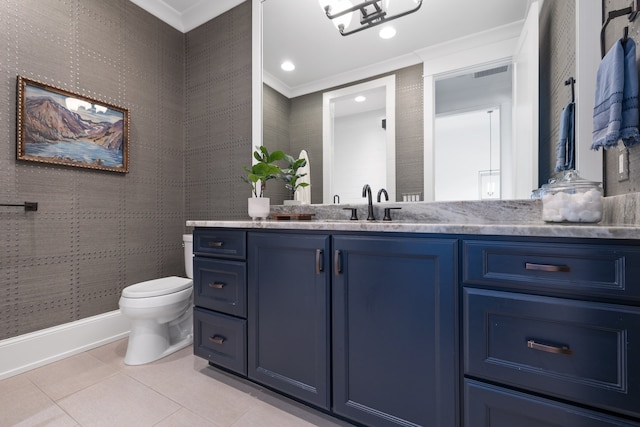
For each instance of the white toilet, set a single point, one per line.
(161, 313)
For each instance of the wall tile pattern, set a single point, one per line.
(94, 232)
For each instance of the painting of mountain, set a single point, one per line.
(57, 126)
(46, 121)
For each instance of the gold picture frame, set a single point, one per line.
(64, 128)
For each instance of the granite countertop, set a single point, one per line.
(541, 230)
(504, 218)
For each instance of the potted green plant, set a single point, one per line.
(260, 172)
(291, 176)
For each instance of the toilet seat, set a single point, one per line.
(179, 298)
(157, 287)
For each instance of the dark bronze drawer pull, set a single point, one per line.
(215, 244)
(216, 285)
(216, 339)
(549, 348)
(319, 261)
(337, 262)
(547, 267)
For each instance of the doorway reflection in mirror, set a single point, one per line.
(473, 140)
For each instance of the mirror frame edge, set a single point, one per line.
(256, 72)
(589, 163)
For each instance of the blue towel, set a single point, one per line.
(565, 159)
(615, 115)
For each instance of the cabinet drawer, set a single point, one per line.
(600, 270)
(491, 406)
(220, 339)
(222, 243)
(221, 285)
(582, 351)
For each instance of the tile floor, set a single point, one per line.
(96, 388)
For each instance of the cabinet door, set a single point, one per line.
(288, 318)
(394, 330)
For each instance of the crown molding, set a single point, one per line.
(193, 17)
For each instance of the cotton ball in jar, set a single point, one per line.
(574, 207)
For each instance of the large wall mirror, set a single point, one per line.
(455, 64)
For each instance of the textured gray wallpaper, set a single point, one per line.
(97, 232)
(409, 130)
(276, 136)
(218, 116)
(614, 32)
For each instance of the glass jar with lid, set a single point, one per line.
(572, 199)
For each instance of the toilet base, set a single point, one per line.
(138, 359)
(150, 341)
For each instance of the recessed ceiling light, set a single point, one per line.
(360, 98)
(387, 32)
(288, 66)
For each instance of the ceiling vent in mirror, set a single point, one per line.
(490, 72)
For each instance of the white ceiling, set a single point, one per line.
(298, 30)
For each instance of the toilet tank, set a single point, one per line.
(187, 240)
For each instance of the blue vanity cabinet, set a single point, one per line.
(219, 296)
(361, 325)
(551, 333)
(394, 317)
(288, 311)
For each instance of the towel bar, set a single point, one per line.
(28, 206)
(571, 81)
(632, 12)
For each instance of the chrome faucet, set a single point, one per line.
(386, 195)
(366, 192)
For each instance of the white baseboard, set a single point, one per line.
(35, 349)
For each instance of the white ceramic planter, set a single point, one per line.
(259, 207)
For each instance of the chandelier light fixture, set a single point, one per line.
(372, 12)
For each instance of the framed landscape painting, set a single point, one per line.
(60, 127)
